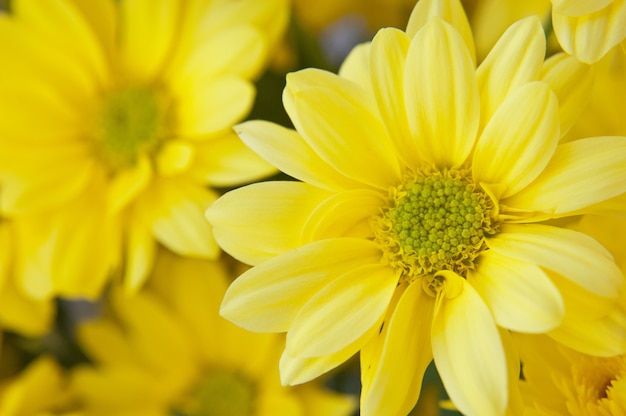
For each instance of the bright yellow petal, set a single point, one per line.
(285, 149)
(128, 183)
(106, 343)
(519, 140)
(572, 82)
(441, 93)
(468, 353)
(268, 297)
(345, 214)
(355, 302)
(226, 162)
(340, 122)
(355, 67)
(450, 11)
(24, 315)
(578, 7)
(520, 295)
(387, 59)
(101, 17)
(397, 380)
(513, 61)
(174, 157)
(581, 173)
(260, 221)
(589, 37)
(140, 252)
(572, 254)
(212, 107)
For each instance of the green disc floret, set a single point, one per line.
(129, 123)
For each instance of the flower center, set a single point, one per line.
(129, 123)
(435, 222)
(222, 393)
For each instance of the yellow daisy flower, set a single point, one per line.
(560, 381)
(111, 129)
(418, 229)
(166, 351)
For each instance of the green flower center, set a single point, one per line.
(436, 222)
(129, 123)
(222, 393)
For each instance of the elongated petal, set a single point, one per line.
(514, 60)
(589, 37)
(521, 296)
(140, 252)
(468, 353)
(340, 122)
(519, 140)
(407, 352)
(387, 60)
(581, 173)
(572, 254)
(356, 66)
(578, 7)
(450, 11)
(125, 186)
(285, 149)
(357, 300)
(259, 221)
(345, 214)
(268, 297)
(441, 93)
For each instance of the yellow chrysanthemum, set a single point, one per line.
(166, 351)
(418, 229)
(111, 129)
(560, 381)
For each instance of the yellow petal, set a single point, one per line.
(450, 11)
(268, 297)
(345, 214)
(128, 183)
(342, 311)
(356, 67)
(340, 122)
(578, 7)
(387, 59)
(397, 380)
(581, 173)
(259, 221)
(106, 343)
(20, 313)
(572, 82)
(468, 353)
(285, 149)
(572, 254)
(514, 60)
(520, 295)
(212, 107)
(441, 93)
(519, 140)
(140, 252)
(174, 157)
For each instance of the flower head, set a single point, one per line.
(418, 228)
(112, 128)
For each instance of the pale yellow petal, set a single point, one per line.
(578, 7)
(590, 36)
(345, 214)
(519, 139)
(226, 161)
(174, 157)
(572, 254)
(147, 32)
(397, 380)
(127, 184)
(572, 81)
(515, 59)
(268, 297)
(450, 11)
(387, 59)
(355, 66)
(140, 252)
(357, 301)
(581, 173)
(520, 295)
(260, 221)
(340, 122)
(285, 149)
(468, 353)
(212, 107)
(441, 93)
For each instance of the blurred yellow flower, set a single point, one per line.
(417, 231)
(166, 351)
(111, 129)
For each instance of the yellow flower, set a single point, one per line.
(560, 381)
(165, 350)
(418, 229)
(111, 129)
